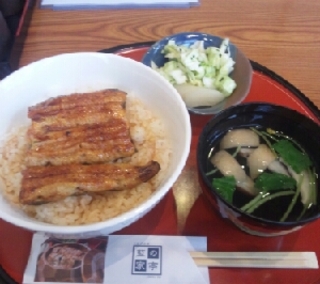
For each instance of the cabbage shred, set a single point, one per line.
(206, 67)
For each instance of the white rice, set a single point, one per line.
(149, 135)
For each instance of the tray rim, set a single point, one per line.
(5, 278)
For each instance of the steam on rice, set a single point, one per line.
(151, 140)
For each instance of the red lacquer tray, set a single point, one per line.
(184, 211)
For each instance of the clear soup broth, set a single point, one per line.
(264, 173)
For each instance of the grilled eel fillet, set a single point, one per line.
(43, 184)
(56, 105)
(79, 128)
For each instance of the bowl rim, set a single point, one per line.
(127, 217)
(191, 35)
(210, 190)
(237, 53)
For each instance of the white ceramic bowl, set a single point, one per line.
(89, 71)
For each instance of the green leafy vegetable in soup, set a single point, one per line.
(267, 182)
(297, 159)
(225, 186)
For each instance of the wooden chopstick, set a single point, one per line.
(256, 259)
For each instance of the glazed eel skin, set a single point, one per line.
(79, 128)
(77, 142)
(43, 184)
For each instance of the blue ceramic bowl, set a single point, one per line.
(297, 126)
(242, 72)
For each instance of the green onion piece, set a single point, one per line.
(312, 187)
(236, 152)
(252, 202)
(302, 212)
(293, 201)
(268, 198)
(269, 134)
(263, 136)
(211, 172)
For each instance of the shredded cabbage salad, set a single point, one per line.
(198, 66)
